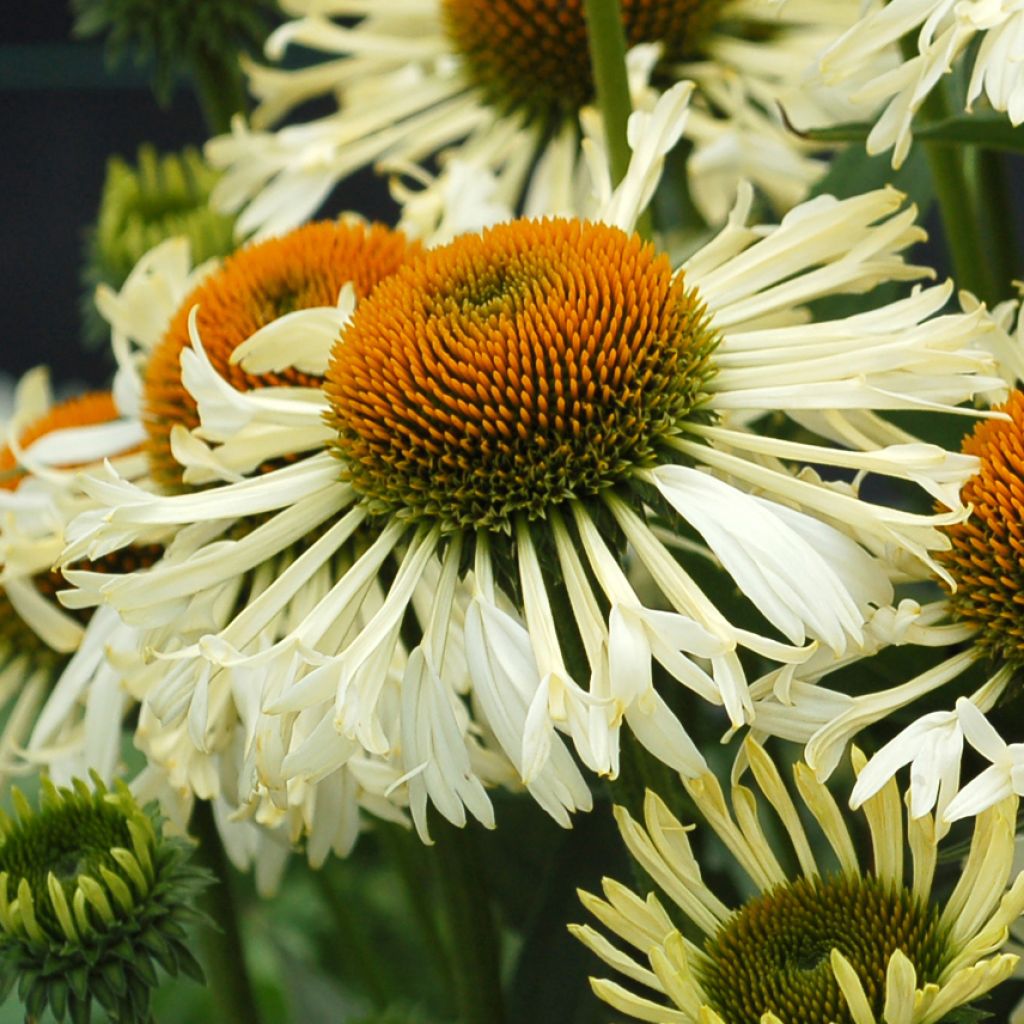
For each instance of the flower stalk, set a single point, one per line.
(607, 42)
(472, 933)
(222, 944)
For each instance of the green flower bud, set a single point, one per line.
(93, 898)
(159, 197)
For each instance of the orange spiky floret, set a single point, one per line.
(511, 370)
(305, 268)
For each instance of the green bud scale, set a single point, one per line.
(93, 899)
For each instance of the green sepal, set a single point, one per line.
(144, 968)
(35, 998)
(58, 998)
(113, 974)
(8, 976)
(989, 131)
(189, 965)
(80, 1010)
(966, 1015)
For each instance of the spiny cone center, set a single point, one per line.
(987, 557)
(70, 838)
(509, 371)
(533, 54)
(774, 953)
(255, 286)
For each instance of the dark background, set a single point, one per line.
(63, 111)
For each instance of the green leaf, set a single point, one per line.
(989, 131)
(966, 1015)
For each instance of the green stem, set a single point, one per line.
(407, 855)
(220, 89)
(971, 266)
(472, 933)
(351, 945)
(607, 42)
(994, 200)
(223, 945)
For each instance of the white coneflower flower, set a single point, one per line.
(846, 946)
(45, 446)
(509, 411)
(500, 85)
(260, 292)
(945, 30)
(980, 620)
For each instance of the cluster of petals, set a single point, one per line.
(313, 682)
(945, 29)
(659, 959)
(404, 93)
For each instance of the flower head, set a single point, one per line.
(143, 204)
(507, 415)
(986, 559)
(512, 371)
(979, 621)
(260, 284)
(823, 947)
(553, 75)
(46, 445)
(177, 36)
(92, 901)
(501, 86)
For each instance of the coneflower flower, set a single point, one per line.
(502, 418)
(818, 946)
(501, 84)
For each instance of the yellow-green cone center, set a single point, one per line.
(71, 838)
(533, 55)
(510, 371)
(774, 953)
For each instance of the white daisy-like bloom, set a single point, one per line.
(500, 85)
(502, 418)
(842, 945)
(979, 623)
(44, 445)
(945, 30)
(79, 729)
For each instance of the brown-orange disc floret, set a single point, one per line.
(509, 371)
(87, 410)
(987, 556)
(305, 268)
(533, 55)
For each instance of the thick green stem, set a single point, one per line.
(472, 932)
(222, 945)
(409, 858)
(351, 952)
(220, 88)
(971, 266)
(994, 198)
(607, 42)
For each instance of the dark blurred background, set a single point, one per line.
(65, 110)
